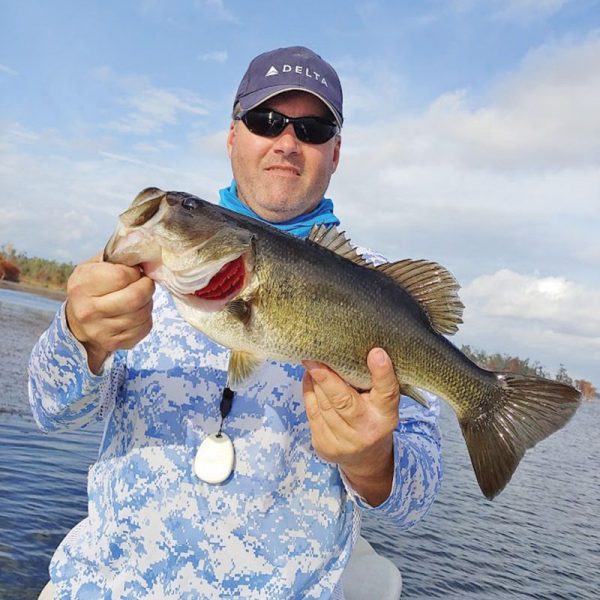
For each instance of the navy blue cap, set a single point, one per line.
(286, 69)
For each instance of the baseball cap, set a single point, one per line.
(287, 69)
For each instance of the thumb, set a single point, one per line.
(386, 389)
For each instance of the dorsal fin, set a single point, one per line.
(433, 287)
(430, 284)
(336, 241)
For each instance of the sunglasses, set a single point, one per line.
(270, 123)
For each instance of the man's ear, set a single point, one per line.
(230, 138)
(336, 152)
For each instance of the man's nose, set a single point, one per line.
(286, 142)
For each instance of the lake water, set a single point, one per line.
(540, 539)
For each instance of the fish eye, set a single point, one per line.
(190, 203)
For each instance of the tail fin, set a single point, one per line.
(526, 410)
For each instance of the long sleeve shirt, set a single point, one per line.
(281, 526)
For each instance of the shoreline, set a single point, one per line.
(38, 290)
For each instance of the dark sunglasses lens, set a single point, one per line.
(313, 130)
(267, 124)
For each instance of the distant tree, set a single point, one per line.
(8, 251)
(8, 270)
(588, 391)
(563, 376)
(514, 364)
(504, 362)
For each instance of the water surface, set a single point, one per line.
(540, 539)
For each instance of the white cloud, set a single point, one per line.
(154, 147)
(219, 56)
(136, 161)
(555, 302)
(7, 70)
(369, 86)
(513, 11)
(510, 179)
(218, 9)
(544, 115)
(149, 107)
(508, 10)
(505, 185)
(15, 131)
(551, 320)
(67, 205)
(526, 9)
(153, 108)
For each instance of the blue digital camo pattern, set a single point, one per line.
(281, 527)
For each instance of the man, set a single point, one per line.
(310, 451)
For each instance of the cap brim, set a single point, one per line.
(252, 100)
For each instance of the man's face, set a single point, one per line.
(280, 178)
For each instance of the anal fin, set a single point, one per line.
(415, 394)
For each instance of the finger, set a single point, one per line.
(324, 440)
(386, 389)
(332, 392)
(127, 300)
(130, 337)
(98, 319)
(92, 278)
(122, 323)
(109, 333)
(313, 412)
(336, 392)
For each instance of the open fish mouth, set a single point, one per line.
(210, 286)
(201, 269)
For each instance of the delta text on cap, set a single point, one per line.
(286, 69)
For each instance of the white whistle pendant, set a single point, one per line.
(214, 458)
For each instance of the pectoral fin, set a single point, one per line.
(241, 366)
(241, 309)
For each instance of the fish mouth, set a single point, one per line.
(209, 287)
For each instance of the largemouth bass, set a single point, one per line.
(269, 295)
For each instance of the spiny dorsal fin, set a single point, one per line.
(433, 287)
(430, 284)
(336, 241)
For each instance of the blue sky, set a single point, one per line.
(472, 137)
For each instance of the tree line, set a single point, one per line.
(514, 364)
(18, 267)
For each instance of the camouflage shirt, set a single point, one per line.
(281, 527)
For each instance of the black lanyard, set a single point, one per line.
(225, 406)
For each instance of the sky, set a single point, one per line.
(471, 137)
